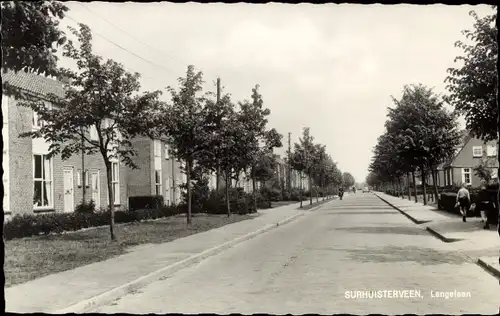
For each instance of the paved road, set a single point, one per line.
(358, 244)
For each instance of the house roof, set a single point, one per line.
(465, 137)
(31, 82)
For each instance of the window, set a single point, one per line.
(115, 181)
(491, 151)
(167, 191)
(167, 151)
(93, 133)
(157, 148)
(79, 178)
(42, 181)
(158, 182)
(466, 176)
(477, 151)
(37, 121)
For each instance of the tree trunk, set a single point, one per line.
(317, 193)
(424, 191)
(436, 191)
(414, 185)
(310, 190)
(254, 189)
(409, 185)
(323, 187)
(111, 200)
(174, 189)
(217, 179)
(188, 184)
(301, 188)
(400, 188)
(228, 204)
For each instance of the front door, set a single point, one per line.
(96, 192)
(69, 194)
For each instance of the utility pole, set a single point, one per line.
(218, 160)
(289, 165)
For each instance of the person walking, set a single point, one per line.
(341, 192)
(463, 201)
(486, 204)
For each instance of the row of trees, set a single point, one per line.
(313, 162)
(208, 132)
(211, 132)
(420, 133)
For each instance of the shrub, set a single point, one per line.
(85, 208)
(145, 202)
(32, 225)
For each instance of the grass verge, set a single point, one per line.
(30, 258)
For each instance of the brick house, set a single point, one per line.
(34, 183)
(474, 152)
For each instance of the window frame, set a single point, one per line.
(36, 122)
(157, 148)
(493, 149)
(158, 182)
(93, 135)
(167, 151)
(466, 173)
(43, 180)
(115, 182)
(474, 148)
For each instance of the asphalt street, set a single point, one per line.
(355, 256)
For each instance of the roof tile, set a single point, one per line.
(34, 83)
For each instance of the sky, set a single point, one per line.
(330, 67)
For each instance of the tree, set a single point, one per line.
(473, 86)
(29, 33)
(303, 158)
(426, 133)
(373, 180)
(348, 180)
(216, 116)
(484, 170)
(182, 123)
(298, 162)
(101, 96)
(253, 119)
(265, 168)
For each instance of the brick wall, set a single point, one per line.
(20, 156)
(21, 169)
(141, 179)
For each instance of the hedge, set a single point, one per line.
(448, 200)
(32, 225)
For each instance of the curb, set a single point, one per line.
(440, 236)
(414, 220)
(315, 207)
(488, 267)
(111, 295)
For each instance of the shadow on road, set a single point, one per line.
(362, 213)
(424, 256)
(390, 254)
(391, 230)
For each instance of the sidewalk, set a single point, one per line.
(469, 237)
(59, 291)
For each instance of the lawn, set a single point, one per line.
(30, 258)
